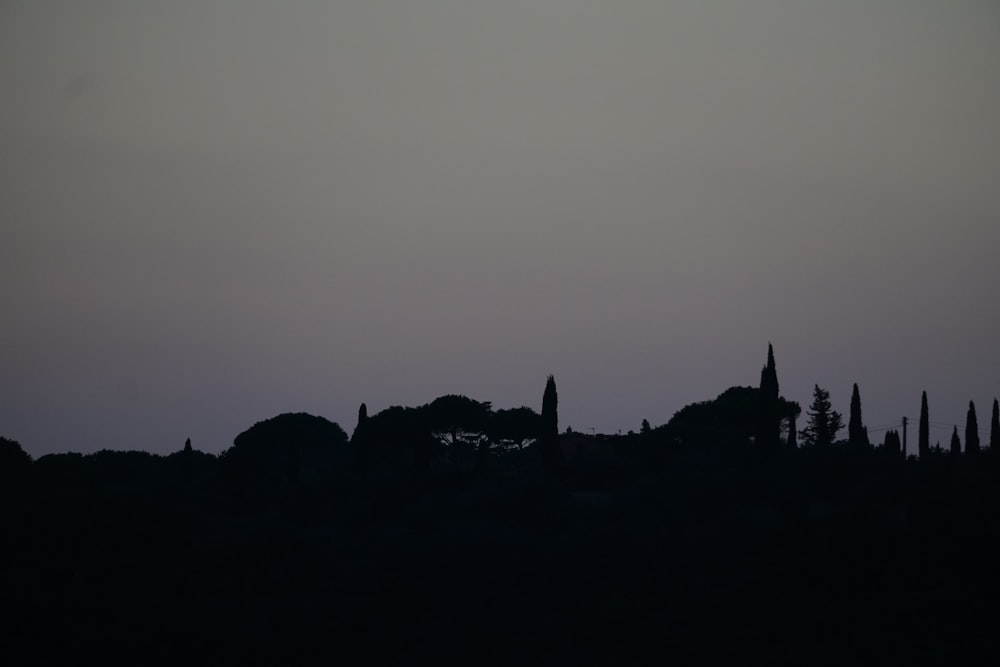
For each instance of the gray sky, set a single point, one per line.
(214, 212)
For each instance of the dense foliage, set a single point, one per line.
(445, 533)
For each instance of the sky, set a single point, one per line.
(215, 212)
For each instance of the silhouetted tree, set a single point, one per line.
(548, 440)
(729, 421)
(15, 465)
(792, 442)
(514, 427)
(856, 433)
(891, 443)
(287, 442)
(924, 437)
(824, 421)
(971, 431)
(362, 417)
(187, 460)
(360, 447)
(769, 415)
(645, 427)
(995, 428)
(459, 423)
(956, 444)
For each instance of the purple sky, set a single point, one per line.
(211, 213)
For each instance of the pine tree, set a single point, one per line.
(549, 438)
(956, 444)
(824, 421)
(768, 412)
(924, 444)
(856, 434)
(971, 431)
(995, 429)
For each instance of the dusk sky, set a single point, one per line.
(215, 212)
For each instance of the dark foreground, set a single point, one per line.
(822, 557)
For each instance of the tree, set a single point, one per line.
(362, 418)
(891, 443)
(792, 442)
(515, 427)
(187, 456)
(824, 422)
(856, 433)
(924, 444)
(645, 428)
(275, 451)
(995, 429)
(548, 440)
(15, 465)
(768, 433)
(730, 421)
(956, 444)
(971, 431)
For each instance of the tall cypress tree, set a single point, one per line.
(768, 411)
(548, 440)
(971, 431)
(995, 429)
(361, 453)
(956, 444)
(362, 417)
(924, 444)
(856, 434)
(187, 459)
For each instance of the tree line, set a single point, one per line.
(455, 432)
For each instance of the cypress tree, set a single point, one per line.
(995, 429)
(549, 438)
(924, 444)
(362, 416)
(856, 434)
(768, 411)
(769, 375)
(971, 431)
(187, 459)
(956, 444)
(361, 454)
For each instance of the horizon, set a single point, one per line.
(214, 215)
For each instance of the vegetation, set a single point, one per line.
(455, 532)
(995, 428)
(924, 443)
(824, 422)
(857, 434)
(971, 431)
